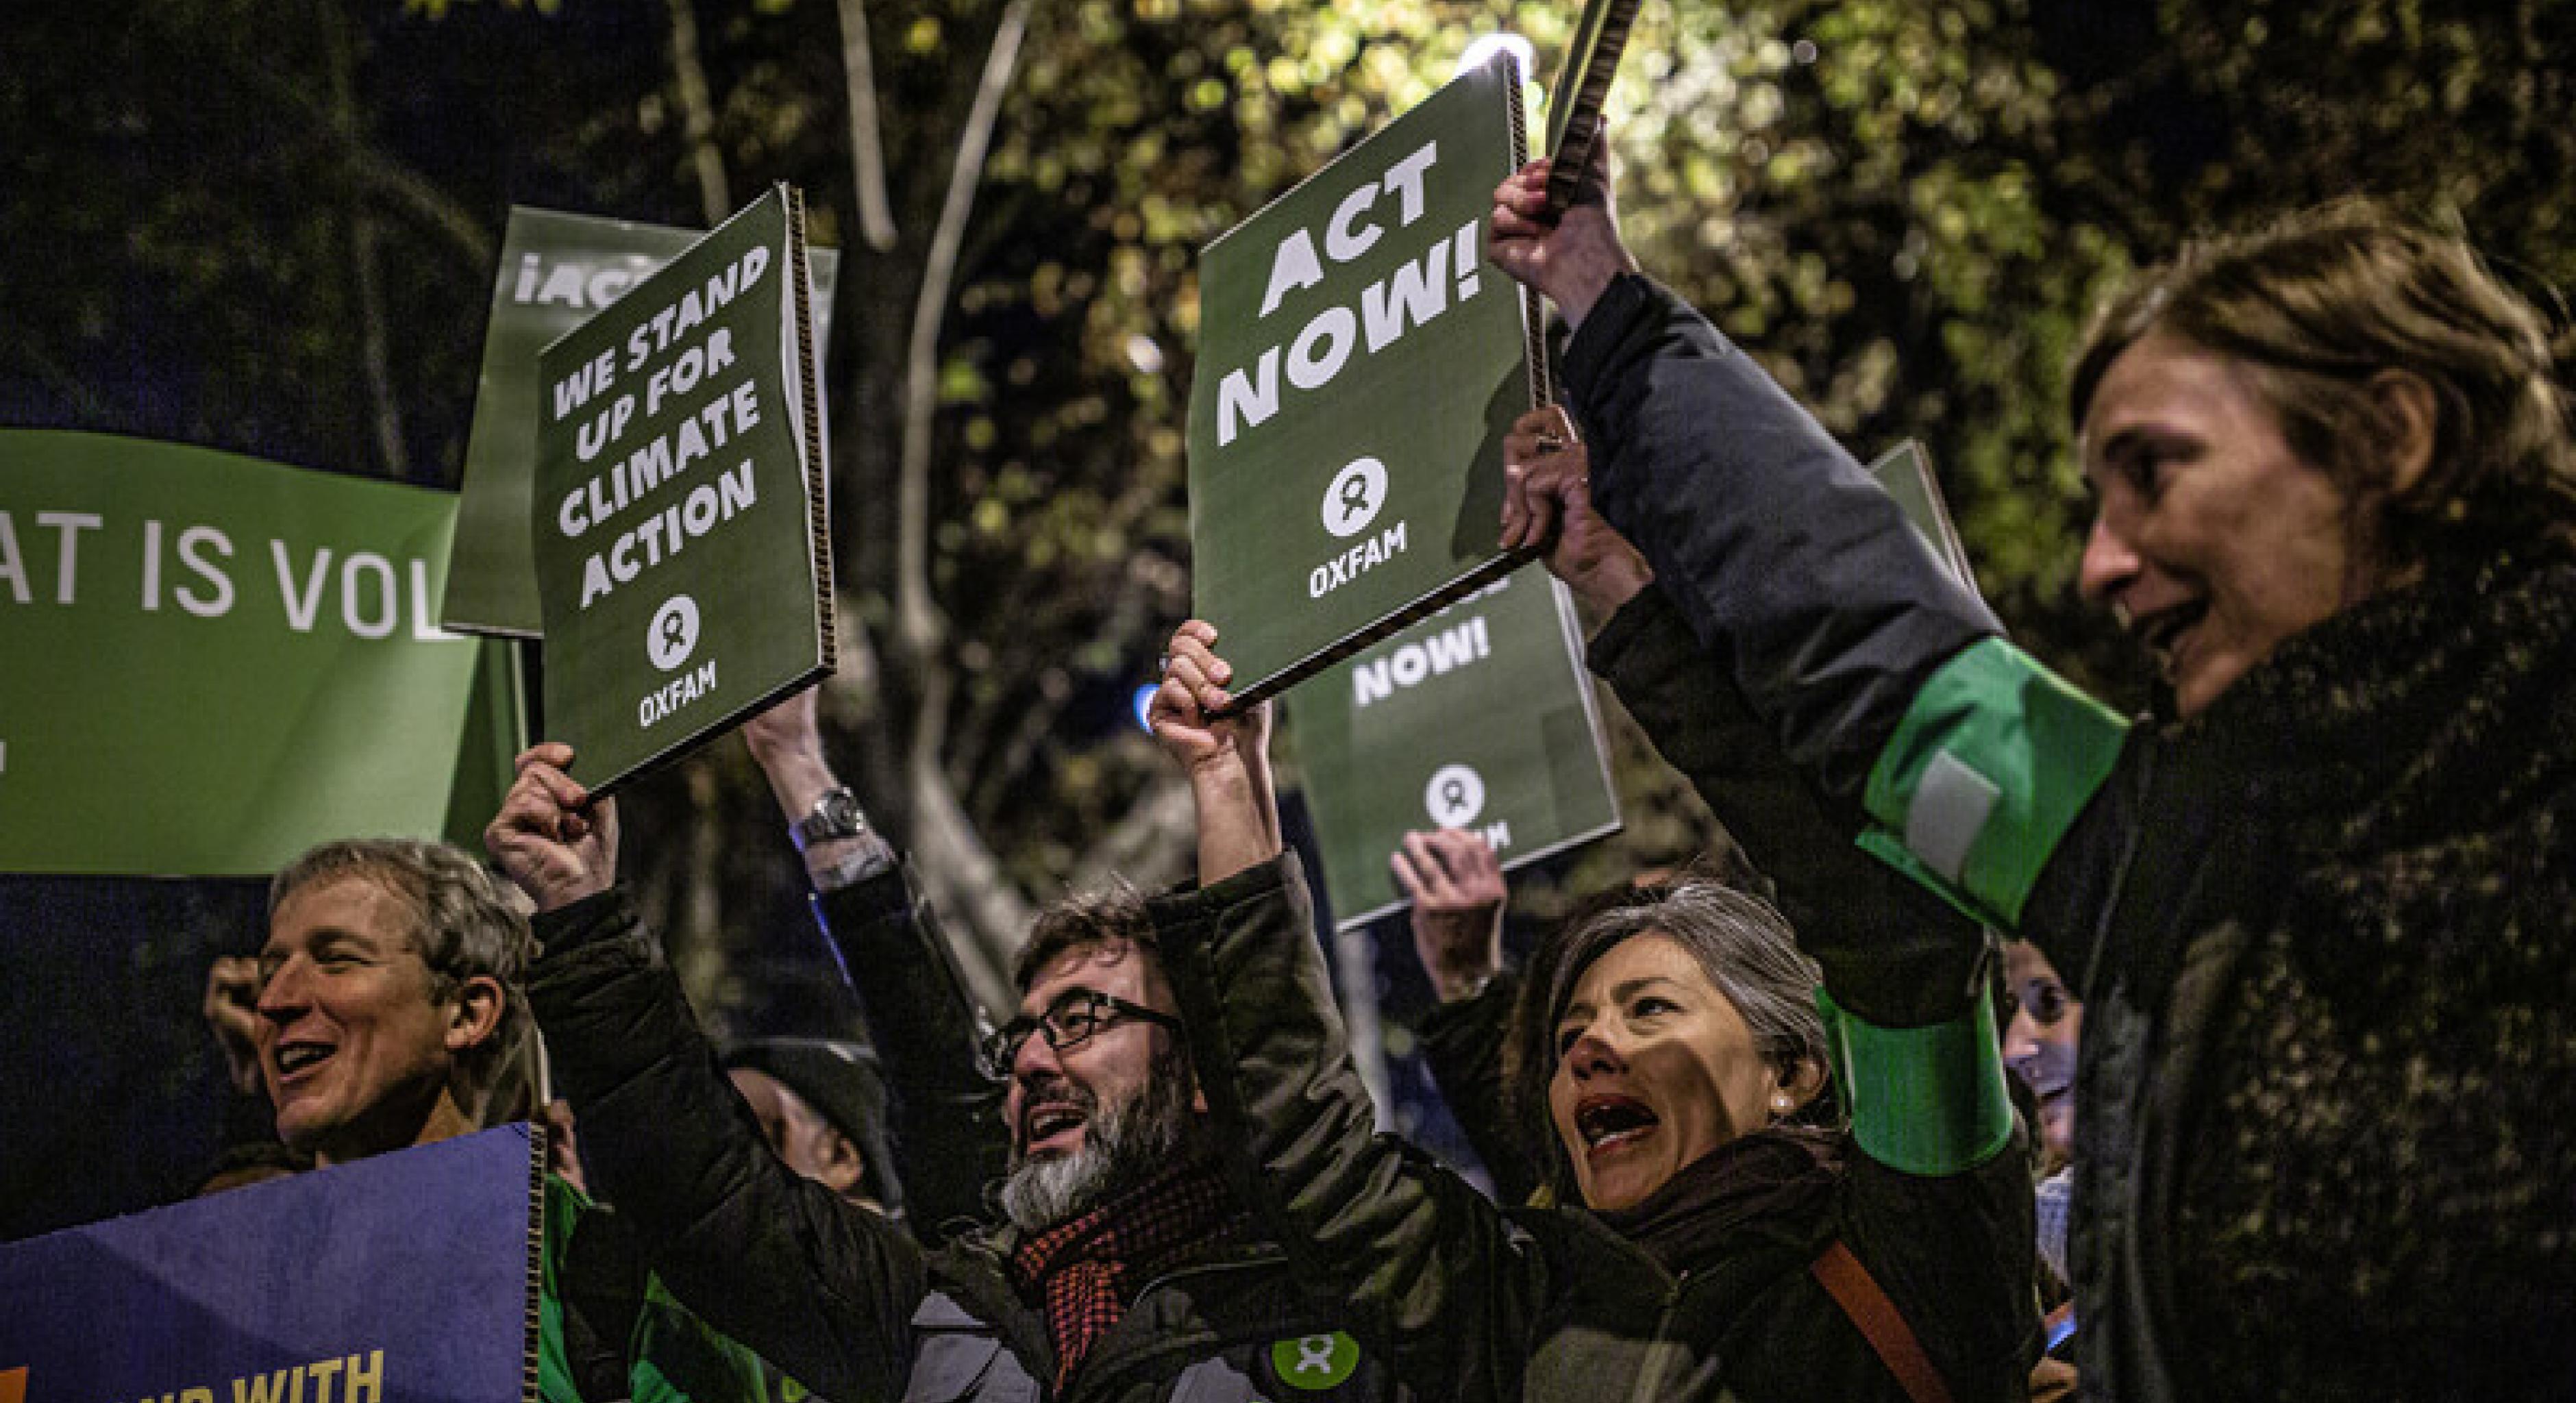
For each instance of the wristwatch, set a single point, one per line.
(835, 816)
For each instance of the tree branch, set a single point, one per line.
(362, 257)
(1148, 845)
(966, 880)
(867, 142)
(694, 933)
(918, 628)
(698, 114)
(386, 177)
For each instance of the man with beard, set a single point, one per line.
(1125, 1269)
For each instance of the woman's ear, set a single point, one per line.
(479, 1004)
(2409, 418)
(1800, 1084)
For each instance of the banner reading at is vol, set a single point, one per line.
(214, 663)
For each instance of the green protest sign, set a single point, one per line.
(215, 663)
(1480, 717)
(556, 271)
(1358, 367)
(681, 551)
(1906, 472)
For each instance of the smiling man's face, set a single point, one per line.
(357, 1050)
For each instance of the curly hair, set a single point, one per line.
(2317, 306)
(1113, 915)
(463, 926)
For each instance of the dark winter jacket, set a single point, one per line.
(835, 1294)
(2325, 932)
(944, 1109)
(1471, 1303)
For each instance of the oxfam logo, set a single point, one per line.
(673, 635)
(1353, 499)
(1455, 795)
(1313, 1363)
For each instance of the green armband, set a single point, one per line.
(1985, 774)
(1927, 1101)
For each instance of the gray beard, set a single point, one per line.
(1123, 1147)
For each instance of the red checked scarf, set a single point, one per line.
(1090, 1268)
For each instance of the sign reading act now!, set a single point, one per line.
(1358, 367)
(680, 546)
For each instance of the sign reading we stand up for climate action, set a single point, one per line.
(681, 550)
(557, 271)
(1480, 717)
(1359, 364)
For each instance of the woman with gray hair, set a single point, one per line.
(1762, 1059)
(1719, 1231)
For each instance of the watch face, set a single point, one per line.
(835, 815)
(839, 812)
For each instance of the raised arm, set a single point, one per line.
(1434, 1278)
(945, 1117)
(1456, 886)
(821, 1288)
(1940, 1201)
(1226, 761)
(1883, 680)
(1904, 991)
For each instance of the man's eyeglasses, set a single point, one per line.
(1068, 1023)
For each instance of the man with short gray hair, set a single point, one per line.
(390, 1000)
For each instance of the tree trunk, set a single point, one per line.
(987, 913)
(385, 412)
(698, 115)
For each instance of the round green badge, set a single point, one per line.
(1315, 1362)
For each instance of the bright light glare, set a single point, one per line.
(1486, 46)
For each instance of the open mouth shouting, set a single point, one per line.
(1053, 1118)
(1611, 1123)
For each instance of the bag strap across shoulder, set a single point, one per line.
(1880, 1322)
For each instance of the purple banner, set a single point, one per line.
(400, 1279)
